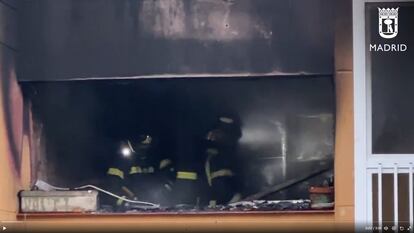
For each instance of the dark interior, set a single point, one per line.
(99, 73)
(287, 125)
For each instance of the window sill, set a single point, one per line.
(269, 221)
(56, 215)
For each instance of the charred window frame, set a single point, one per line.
(282, 181)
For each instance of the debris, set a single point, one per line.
(140, 203)
(58, 201)
(42, 185)
(258, 205)
(271, 205)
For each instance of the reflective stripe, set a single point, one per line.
(120, 201)
(138, 169)
(115, 172)
(135, 169)
(221, 173)
(187, 175)
(164, 163)
(212, 175)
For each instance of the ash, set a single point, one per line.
(258, 205)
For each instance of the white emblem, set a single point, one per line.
(388, 22)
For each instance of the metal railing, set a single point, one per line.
(395, 169)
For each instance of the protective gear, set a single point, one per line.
(150, 179)
(151, 176)
(186, 175)
(219, 166)
(226, 132)
(140, 174)
(186, 189)
(116, 182)
(142, 145)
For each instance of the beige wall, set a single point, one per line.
(344, 141)
(13, 157)
(284, 222)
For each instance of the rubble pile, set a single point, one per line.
(258, 205)
(262, 205)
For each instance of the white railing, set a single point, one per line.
(395, 169)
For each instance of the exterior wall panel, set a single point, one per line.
(14, 164)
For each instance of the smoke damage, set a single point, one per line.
(285, 124)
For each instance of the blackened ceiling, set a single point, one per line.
(67, 39)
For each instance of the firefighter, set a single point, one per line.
(187, 184)
(151, 176)
(117, 178)
(139, 174)
(220, 167)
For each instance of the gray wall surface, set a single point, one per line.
(63, 40)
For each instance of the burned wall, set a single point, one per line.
(286, 123)
(67, 39)
(14, 138)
